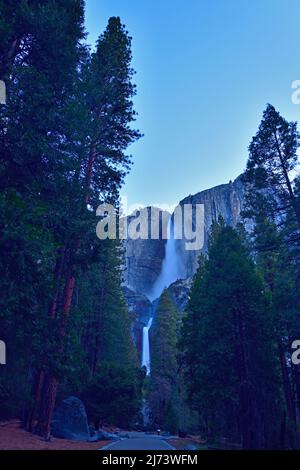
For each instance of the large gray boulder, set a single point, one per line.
(70, 420)
(107, 436)
(101, 435)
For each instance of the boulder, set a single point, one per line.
(103, 436)
(107, 436)
(70, 420)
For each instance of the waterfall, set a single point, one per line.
(146, 347)
(170, 270)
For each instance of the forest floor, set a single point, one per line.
(13, 437)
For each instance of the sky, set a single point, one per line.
(205, 71)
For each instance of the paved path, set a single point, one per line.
(140, 441)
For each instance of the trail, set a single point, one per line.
(140, 441)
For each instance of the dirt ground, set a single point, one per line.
(13, 437)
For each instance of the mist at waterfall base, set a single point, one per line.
(170, 270)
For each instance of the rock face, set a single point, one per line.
(226, 201)
(180, 291)
(144, 257)
(138, 304)
(70, 420)
(140, 309)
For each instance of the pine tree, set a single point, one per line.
(28, 29)
(163, 397)
(229, 346)
(108, 325)
(109, 91)
(63, 138)
(40, 51)
(273, 205)
(112, 389)
(108, 101)
(272, 158)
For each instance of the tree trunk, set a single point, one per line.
(89, 173)
(98, 328)
(246, 400)
(51, 381)
(288, 394)
(283, 431)
(58, 273)
(7, 61)
(47, 406)
(296, 375)
(30, 425)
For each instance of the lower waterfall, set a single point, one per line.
(146, 347)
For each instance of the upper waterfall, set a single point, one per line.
(144, 258)
(170, 270)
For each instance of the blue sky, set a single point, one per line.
(205, 71)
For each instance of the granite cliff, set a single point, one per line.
(144, 258)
